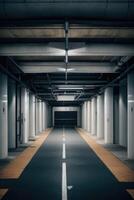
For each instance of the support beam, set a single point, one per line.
(108, 115)
(84, 116)
(25, 115)
(84, 67)
(123, 113)
(3, 116)
(40, 116)
(89, 116)
(37, 116)
(94, 116)
(130, 115)
(37, 49)
(100, 116)
(31, 116)
(49, 10)
(73, 82)
(11, 114)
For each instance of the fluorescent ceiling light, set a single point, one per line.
(64, 69)
(65, 98)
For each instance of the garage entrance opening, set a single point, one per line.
(65, 118)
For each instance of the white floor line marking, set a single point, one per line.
(64, 151)
(64, 181)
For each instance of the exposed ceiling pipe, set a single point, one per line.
(117, 78)
(112, 83)
(13, 77)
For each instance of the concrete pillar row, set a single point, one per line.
(108, 115)
(100, 116)
(130, 114)
(3, 116)
(94, 116)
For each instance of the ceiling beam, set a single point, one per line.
(72, 82)
(77, 49)
(74, 67)
(58, 93)
(73, 23)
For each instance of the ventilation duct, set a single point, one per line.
(68, 9)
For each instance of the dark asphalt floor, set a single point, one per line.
(87, 176)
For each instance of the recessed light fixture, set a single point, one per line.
(65, 98)
(70, 88)
(64, 69)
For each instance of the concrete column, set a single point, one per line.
(45, 116)
(89, 116)
(11, 114)
(108, 115)
(40, 116)
(86, 111)
(82, 113)
(100, 116)
(49, 116)
(25, 114)
(94, 116)
(116, 115)
(31, 116)
(123, 113)
(130, 115)
(37, 115)
(85, 117)
(3, 116)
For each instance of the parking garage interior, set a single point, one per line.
(67, 99)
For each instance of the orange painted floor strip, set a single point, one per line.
(116, 166)
(14, 169)
(131, 192)
(3, 192)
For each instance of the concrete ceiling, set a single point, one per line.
(74, 32)
(97, 55)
